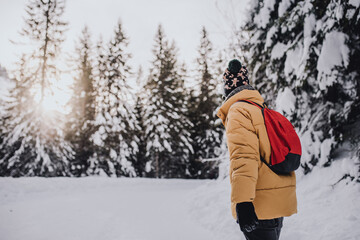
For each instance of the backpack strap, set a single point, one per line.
(262, 111)
(254, 103)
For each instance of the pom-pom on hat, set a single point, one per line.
(235, 75)
(234, 66)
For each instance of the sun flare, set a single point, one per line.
(56, 97)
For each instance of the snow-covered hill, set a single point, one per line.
(145, 209)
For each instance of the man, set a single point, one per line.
(260, 198)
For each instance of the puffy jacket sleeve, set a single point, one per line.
(243, 144)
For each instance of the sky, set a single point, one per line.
(182, 21)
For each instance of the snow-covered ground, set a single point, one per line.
(145, 209)
(325, 211)
(97, 209)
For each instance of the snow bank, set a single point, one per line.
(325, 210)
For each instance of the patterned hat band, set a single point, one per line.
(232, 81)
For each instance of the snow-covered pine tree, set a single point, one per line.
(34, 143)
(115, 119)
(80, 124)
(167, 127)
(6, 85)
(97, 165)
(139, 156)
(182, 147)
(206, 134)
(302, 56)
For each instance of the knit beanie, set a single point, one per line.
(235, 75)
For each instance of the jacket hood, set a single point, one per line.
(245, 92)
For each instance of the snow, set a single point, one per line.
(324, 149)
(264, 14)
(283, 6)
(97, 208)
(334, 52)
(144, 209)
(355, 3)
(148, 166)
(278, 50)
(5, 84)
(309, 24)
(325, 211)
(285, 101)
(339, 12)
(293, 62)
(113, 154)
(97, 137)
(269, 35)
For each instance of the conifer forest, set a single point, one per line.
(162, 130)
(304, 53)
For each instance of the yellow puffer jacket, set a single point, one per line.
(251, 180)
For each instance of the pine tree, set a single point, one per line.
(305, 53)
(206, 134)
(34, 143)
(81, 119)
(168, 138)
(116, 119)
(99, 165)
(6, 85)
(139, 156)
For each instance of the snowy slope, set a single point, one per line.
(144, 209)
(324, 211)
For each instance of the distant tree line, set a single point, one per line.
(163, 130)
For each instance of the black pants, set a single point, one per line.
(266, 230)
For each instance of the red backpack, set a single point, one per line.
(285, 143)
